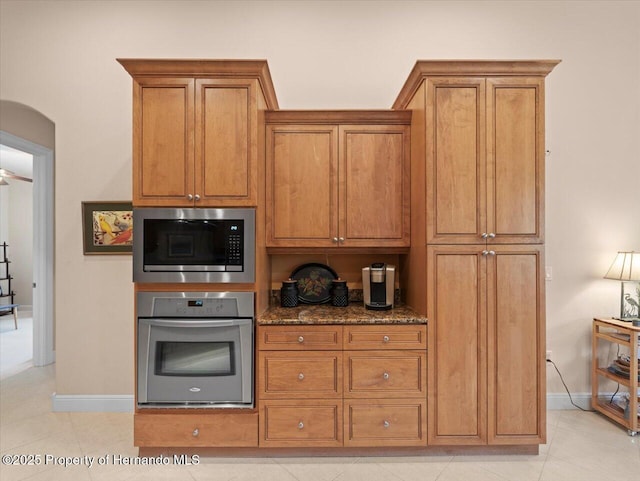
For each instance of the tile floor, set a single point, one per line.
(582, 446)
(16, 345)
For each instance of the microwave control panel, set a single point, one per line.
(234, 248)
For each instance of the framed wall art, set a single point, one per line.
(107, 227)
(630, 302)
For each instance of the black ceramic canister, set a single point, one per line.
(289, 293)
(339, 293)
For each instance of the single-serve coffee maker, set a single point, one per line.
(378, 282)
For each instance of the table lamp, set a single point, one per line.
(626, 269)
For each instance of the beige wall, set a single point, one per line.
(28, 124)
(59, 58)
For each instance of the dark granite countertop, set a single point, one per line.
(354, 313)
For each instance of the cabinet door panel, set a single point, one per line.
(163, 141)
(516, 346)
(385, 337)
(515, 160)
(384, 422)
(299, 338)
(301, 423)
(374, 189)
(302, 195)
(195, 430)
(300, 374)
(225, 141)
(457, 343)
(456, 160)
(373, 374)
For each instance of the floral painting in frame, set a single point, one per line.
(107, 227)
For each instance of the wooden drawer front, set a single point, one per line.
(300, 374)
(386, 337)
(281, 338)
(385, 423)
(385, 373)
(301, 423)
(195, 430)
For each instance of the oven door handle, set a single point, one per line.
(194, 322)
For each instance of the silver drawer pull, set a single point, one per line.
(196, 432)
(301, 376)
(300, 425)
(190, 197)
(386, 424)
(385, 339)
(385, 376)
(300, 339)
(196, 197)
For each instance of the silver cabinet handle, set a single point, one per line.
(484, 235)
(491, 235)
(190, 197)
(341, 239)
(385, 339)
(300, 425)
(385, 376)
(386, 424)
(300, 339)
(485, 253)
(335, 239)
(492, 253)
(196, 432)
(301, 376)
(197, 197)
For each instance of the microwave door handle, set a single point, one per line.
(189, 323)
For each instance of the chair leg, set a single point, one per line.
(15, 317)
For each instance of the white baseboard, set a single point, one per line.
(92, 403)
(558, 401)
(25, 309)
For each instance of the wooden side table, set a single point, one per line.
(627, 335)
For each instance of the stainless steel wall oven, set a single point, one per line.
(195, 349)
(193, 245)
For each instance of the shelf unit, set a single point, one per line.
(625, 335)
(6, 293)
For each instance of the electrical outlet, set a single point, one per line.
(549, 355)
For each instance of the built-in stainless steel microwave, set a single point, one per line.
(194, 245)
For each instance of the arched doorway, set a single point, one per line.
(26, 129)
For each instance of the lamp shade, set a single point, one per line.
(625, 267)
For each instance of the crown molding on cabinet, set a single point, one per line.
(385, 117)
(480, 68)
(258, 69)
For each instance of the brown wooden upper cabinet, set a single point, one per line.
(338, 178)
(195, 130)
(483, 151)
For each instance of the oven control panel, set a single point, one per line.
(195, 307)
(195, 304)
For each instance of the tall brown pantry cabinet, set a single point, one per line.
(477, 226)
